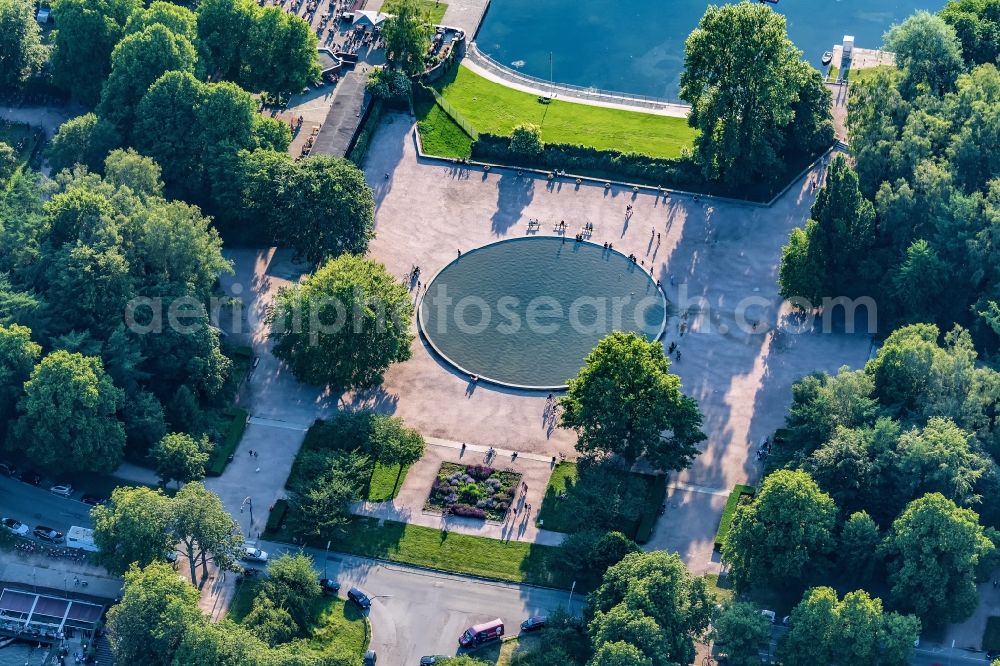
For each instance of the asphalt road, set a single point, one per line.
(37, 506)
(416, 612)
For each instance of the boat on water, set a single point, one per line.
(827, 58)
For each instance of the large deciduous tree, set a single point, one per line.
(137, 62)
(977, 25)
(625, 402)
(156, 612)
(783, 535)
(738, 631)
(407, 35)
(180, 457)
(204, 528)
(744, 80)
(86, 33)
(85, 140)
(21, 51)
(134, 528)
(658, 586)
(344, 325)
(854, 630)
(276, 54)
(321, 206)
(933, 549)
(929, 52)
(18, 355)
(69, 415)
(829, 260)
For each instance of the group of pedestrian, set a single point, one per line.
(764, 449)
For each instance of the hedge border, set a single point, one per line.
(739, 490)
(234, 433)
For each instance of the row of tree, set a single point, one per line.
(80, 377)
(909, 224)
(158, 621)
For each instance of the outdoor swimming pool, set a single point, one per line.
(525, 312)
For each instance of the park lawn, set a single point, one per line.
(557, 514)
(859, 75)
(501, 654)
(496, 109)
(515, 561)
(439, 134)
(435, 10)
(384, 484)
(340, 628)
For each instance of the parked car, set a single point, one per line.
(360, 598)
(479, 634)
(432, 659)
(8, 469)
(534, 623)
(370, 658)
(32, 477)
(329, 585)
(94, 500)
(62, 489)
(253, 554)
(48, 534)
(15, 527)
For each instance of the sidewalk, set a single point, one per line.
(408, 506)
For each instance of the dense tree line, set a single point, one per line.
(909, 222)
(158, 622)
(889, 472)
(176, 85)
(140, 526)
(85, 373)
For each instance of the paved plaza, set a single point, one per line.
(717, 261)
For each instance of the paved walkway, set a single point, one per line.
(483, 65)
(408, 505)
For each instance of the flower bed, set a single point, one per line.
(473, 491)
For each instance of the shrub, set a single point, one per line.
(277, 516)
(526, 141)
(739, 495)
(480, 472)
(230, 440)
(467, 511)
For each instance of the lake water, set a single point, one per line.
(638, 46)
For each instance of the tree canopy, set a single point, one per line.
(853, 630)
(180, 457)
(649, 598)
(133, 528)
(933, 548)
(344, 325)
(746, 84)
(68, 415)
(783, 535)
(22, 53)
(407, 35)
(625, 402)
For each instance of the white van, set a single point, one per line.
(81, 538)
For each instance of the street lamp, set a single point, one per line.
(326, 559)
(247, 502)
(571, 590)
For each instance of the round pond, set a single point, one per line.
(526, 312)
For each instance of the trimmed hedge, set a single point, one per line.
(655, 496)
(739, 492)
(234, 433)
(276, 518)
(588, 161)
(612, 165)
(991, 637)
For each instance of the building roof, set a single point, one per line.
(366, 18)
